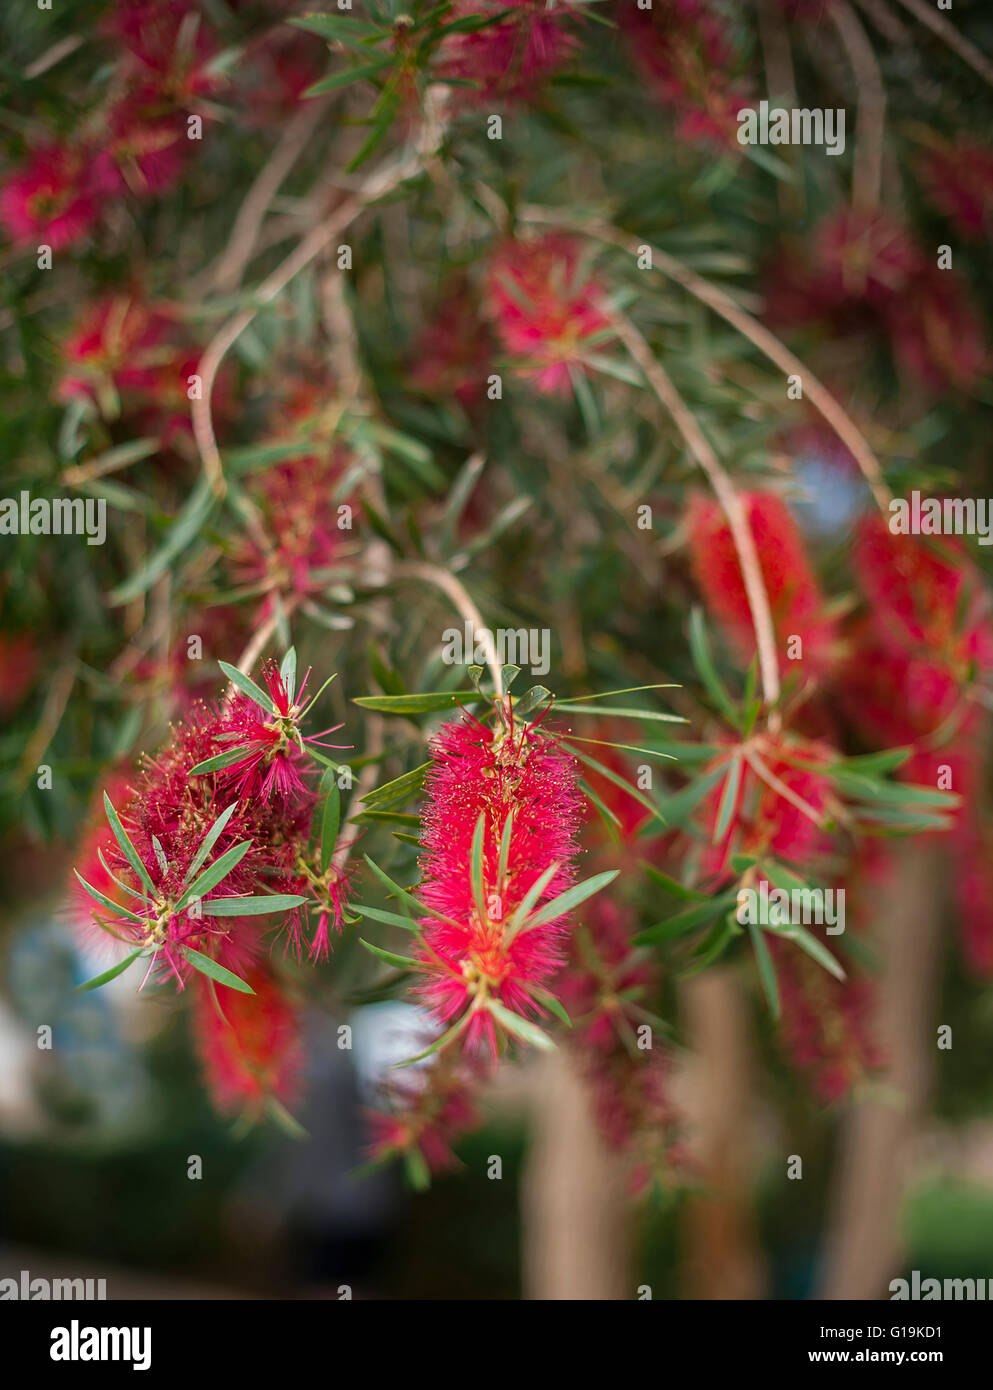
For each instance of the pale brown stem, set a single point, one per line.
(730, 502)
(226, 273)
(948, 34)
(867, 163)
(574, 1210)
(456, 591)
(864, 1247)
(722, 1256)
(376, 186)
(767, 343)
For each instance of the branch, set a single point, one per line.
(410, 162)
(731, 504)
(867, 164)
(728, 308)
(455, 590)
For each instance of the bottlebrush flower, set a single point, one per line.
(826, 1023)
(795, 599)
(781, 808)
(857, 266)
(201, 869)
(927, 602)
(503, 799)
(263, 730)
(132, 359)
(170, 46)
(512, 58)
(148, 145)
(545, 306)
(57, 198)
(937, 334)
(685, 55)
(249, 1044)
(958, 178)
(453, 354)
(421, 1115)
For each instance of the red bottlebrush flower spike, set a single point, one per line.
(422, 1115)
(827, 1023)
(500, 824)
(200, 870)
(452, 356)
(512, 58)
(249, 1044)
(56, 199)
(958, 179)
(265, 730)
(546, 308)
(797, 605)
(685, 56)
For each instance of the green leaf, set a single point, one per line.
(288, 672)
(570, 899)
(214, 971)
(672, 886)
(211, 876)
(729, 799)
(677, 808)
(814, 948)
(520, 1027)
(504, 856)
(528, 901)
(331, 817)
(248, 687)
(130, 853)
(532, 699)
(338, 28)
(337, 80)
(427, 703)
(260, 906)
(607, 694)
(106, 902)
(476, 868)
(400, 790)
(420, 909)
(390, 957)
(189, 523)
(448, 1036)
(707, 671)
(391, 919)
(550, 1002)
(112, 973)
(209, 841)
(619, 781)
(687, 921)
(214, 764)
(767, 972)
(617, 712)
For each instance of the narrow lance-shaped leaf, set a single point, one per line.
(130, 853)
(214, 971)
(110, 974)
(211, 876)
(209, 841)
(260, 906)
(248, 687)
